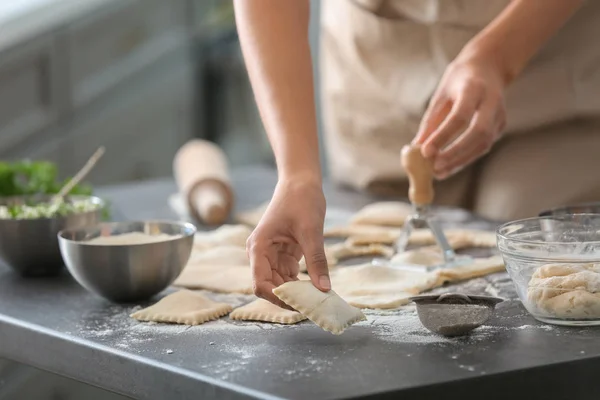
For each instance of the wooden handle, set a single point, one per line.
(420, 175)
(202, 176)
(89, 165)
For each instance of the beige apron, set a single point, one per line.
(382, 59)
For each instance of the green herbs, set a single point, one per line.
(48, 210)
(33, 177)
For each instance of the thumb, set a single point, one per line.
(316, 261)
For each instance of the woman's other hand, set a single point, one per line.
(465, 116)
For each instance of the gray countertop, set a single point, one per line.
(56, 325)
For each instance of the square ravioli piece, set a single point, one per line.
(326, 309)
(183, 307)
(265, 311)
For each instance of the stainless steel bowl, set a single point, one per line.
(30, 246)
(131, 272)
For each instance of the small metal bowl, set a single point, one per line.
(454, 314)
(129, 272)
(30, 246)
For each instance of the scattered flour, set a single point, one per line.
(112, 325)
(543, 327)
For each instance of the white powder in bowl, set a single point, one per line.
(130, 238)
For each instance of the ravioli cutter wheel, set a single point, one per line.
(421, 194)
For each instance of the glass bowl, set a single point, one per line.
(554, 262)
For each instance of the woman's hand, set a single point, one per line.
(291, 227)
(466, 115)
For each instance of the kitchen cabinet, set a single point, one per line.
(29, 98)
(109, 47)
(141, 130)
(118, 73)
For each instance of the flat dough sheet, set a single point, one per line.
(234, 235)
(183, 307)
(387, 213)
(221, 255)
(326, 309)
(342, 251)
(374, 286)
(382, 287)
(425, 256)
(263, 310)
(217, 278)
(457, 238)
(384, 233)
(379, 301)
(480, 267)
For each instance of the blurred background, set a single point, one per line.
(140, 77)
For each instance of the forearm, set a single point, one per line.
(515, 36)
(274, 39)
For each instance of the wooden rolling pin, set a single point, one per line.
(202, 176)
(420, 175)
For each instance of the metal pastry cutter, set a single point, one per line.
(421, 193)
(454, 314)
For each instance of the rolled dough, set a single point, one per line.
(374, 286)
(341, 251)
(221, 255)
(183, 307)
(234, 235)
(326, 309)
(479, 267)
(379, 301)
(384, 233)
(387, 213)
(457, 238)
(426, 256)
(375, 280)
(217, 278)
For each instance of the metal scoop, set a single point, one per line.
(421, 194)
(454, 314)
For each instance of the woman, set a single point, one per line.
(451, 75)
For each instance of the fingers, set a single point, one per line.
(459, 117)
(264, 280)
(312, 243)
(472, 144)
(436, 113)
